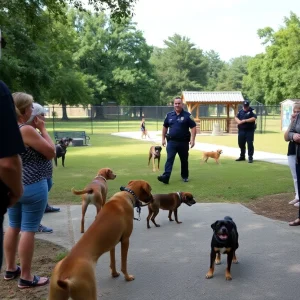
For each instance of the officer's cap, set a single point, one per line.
(246, 103)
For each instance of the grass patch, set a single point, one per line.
(228, 182)
(60, 256)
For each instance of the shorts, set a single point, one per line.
(27, 213)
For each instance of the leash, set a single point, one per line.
(137, 202)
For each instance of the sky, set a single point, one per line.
(228, 27)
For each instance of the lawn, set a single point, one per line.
(228, 182)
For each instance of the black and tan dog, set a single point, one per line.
(61, 149)
(154, 153)
(74, 276)
(169, 202)
(225, 241)
(212, 154)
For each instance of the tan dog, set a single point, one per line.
(95, 192)
(169, 202)
(213, 154)
(74, 276)
(154, 153)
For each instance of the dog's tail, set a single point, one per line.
(227, 218)
(81, 192)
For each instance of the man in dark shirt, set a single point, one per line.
(11, 145)
(177, 123)
(246, 126)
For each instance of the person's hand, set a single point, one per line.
(293, 117)
(192, 143)
(39, 123)
(296, 137)
(163, 142)
(239, 122)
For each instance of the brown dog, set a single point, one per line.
(169, 202)
(95, 192)
(154, 153)
(74, 276)
(213, 154)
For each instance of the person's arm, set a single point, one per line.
(286, 134)
(163, 135)
(250, 120)
(11, 175)
(41, 143)
(238, 121)
(193, 135)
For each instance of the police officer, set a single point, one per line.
(177, 123)
(246, 125)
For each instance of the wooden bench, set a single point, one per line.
(77, 137)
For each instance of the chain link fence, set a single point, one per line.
(114, 118)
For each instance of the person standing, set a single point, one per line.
(176, 130)
(292, 153)
(246, 126)
(11, 187)
(294, 136)
(143, 129)
(25, 215)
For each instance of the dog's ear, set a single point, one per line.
(214, 225)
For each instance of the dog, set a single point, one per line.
(169, 202)
(95, 192)
(213, 154)
(154, 153)
(74, 276)
(61, 150)
(224, 240)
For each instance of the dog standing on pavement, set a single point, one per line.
(74, 276)
(212, 154)
(169, 202)
(61, 149)
(154, 153)
(95, 192)
(225, 240)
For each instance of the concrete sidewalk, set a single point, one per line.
(170, 262)
(227, 151)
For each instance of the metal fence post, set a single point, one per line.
(53, 118)
(92, 128)
(118, 118)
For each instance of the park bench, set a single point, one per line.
(79, 137)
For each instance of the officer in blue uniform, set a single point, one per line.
(246, 126)
(176, 129)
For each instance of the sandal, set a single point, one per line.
(295, 223)
(9, 275)
(24, 284)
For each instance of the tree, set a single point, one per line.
(231, 75)
(180, 66)
(215, 65)
(118, 56)
(279, 68)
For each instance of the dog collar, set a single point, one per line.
(137, 201)
(99, 176)
(179, 195)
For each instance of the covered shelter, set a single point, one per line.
(210, 108)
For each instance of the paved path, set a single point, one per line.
(170, 262)
(227, 151)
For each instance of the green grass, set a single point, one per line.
(228, 182)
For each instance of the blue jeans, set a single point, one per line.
(27, 213)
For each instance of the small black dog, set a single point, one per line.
(224, 240)
(61, 149)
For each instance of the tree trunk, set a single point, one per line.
(98, 113)
(64, 113)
